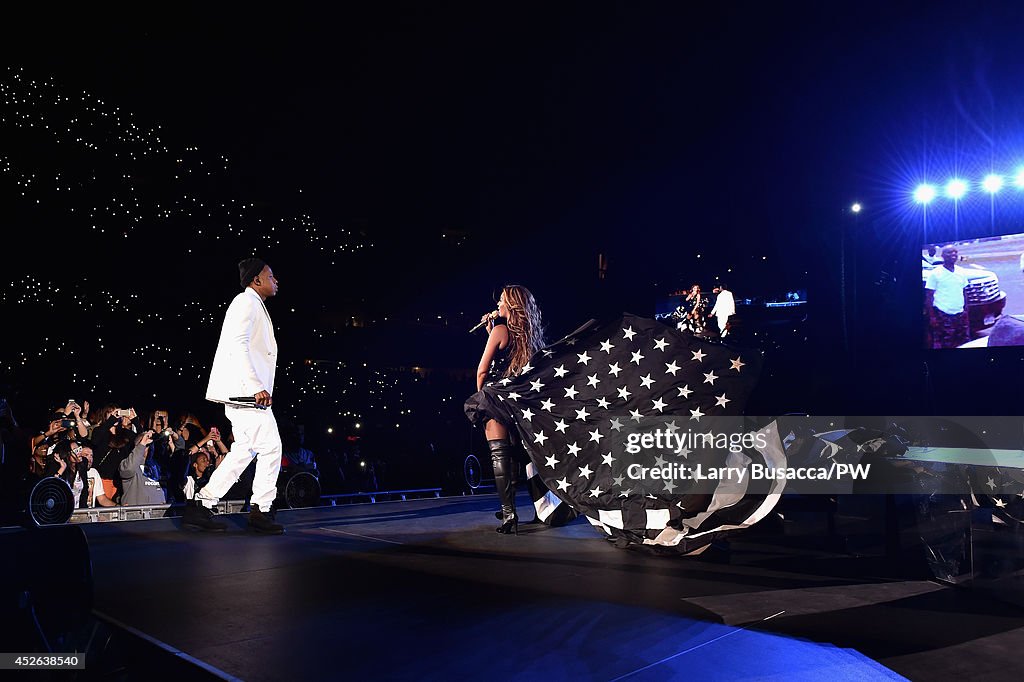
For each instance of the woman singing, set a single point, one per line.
(515, 333)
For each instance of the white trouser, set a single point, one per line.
(722, 319)
(255, 433)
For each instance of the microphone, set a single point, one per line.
(246, 401)
(490, 316)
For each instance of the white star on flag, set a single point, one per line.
(608, 459)
(659, 461)
(616, 425)
(563, 484)
(671, 368)
(736, 364)
(574, 449)
(685, 391)
(596, 436)
(514, 396)
(526, 368)
(607, 346)
(659, 405)
(624, 393)
(618, 480)
(671, 427)
(614, 369)
(536, 384)
(571, 392)
(661, 344)
(637, 357)
(670, 486)
(596, 491)
(721, 400)
(582, 414)
(528, 415)
(698, 355)
(593, 381)
(635, 415)
(583, 357)
(551, 461)
(540, 438)
(696, 414)
(561, 371)
(585, 471)
(603, 403)
(646, 381)
(709, 377)
(561, 426)
(505, 382)
(629, 333)
(547, 405)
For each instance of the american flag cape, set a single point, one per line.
(577, 402)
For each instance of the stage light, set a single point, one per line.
(924, 194)
(1019, 178)
(992, 183)
(856, 208)
(956, 188)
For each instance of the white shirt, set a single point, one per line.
(948, 287)
(246, 358)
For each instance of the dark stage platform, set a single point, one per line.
(426, 590)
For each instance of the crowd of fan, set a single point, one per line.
(114, 456)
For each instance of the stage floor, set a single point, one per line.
(425, 590)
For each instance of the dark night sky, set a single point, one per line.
(543, 134)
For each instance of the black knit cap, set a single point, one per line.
(248, 269)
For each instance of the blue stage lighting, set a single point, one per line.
(1019, 178)
(992, 183)
(924, 194)
(956, 188)
(856, 208)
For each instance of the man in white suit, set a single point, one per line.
(242, 378)
(725, 307)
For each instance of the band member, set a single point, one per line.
(515, 333)
(243, 370)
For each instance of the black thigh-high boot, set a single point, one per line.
(505, 483)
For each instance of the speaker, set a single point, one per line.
(298, 489)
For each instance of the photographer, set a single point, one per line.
(64, 424)
(173, 466)
(112, 442)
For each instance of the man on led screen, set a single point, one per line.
(945, 303)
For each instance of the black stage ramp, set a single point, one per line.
(426, 590)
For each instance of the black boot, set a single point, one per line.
(505, 483)
(260, 522)
(196, 515)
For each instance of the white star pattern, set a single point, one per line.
(585, 471)
(607, 346)
(671, 368)
(596, 436)
(574, 449)
(721, 400)
(526, 368)
(671, 427)
(616, 425)
(540, 438)
(609, 460)
(624, 393)
(659, 461)
(661, 344)
(635, 415)
(659, 405)
(618, 480)
(514, 396)
(736, 364)
(563, 484)
(670, 486)
(698, 355)
(629, 333)
(536, 385)
(614, 369)
(571, 392)
(637, 357)
(646, 381)
(561, 426)
(551, 461)
(583, 358)
(546, 405)
(528, 414)
(603, 403)
(696, 414)
(561, 371)
(685, 391)
(593, 381)
(582, 414)
(709, 377)
(596, 491)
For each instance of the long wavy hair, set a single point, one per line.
(525, 327)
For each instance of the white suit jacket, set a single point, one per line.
(246, 358)
(725, 305)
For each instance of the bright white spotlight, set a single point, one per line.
(924, 194)
(1019, 178)
(956, 188)
(856, 208)
(992, 183)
